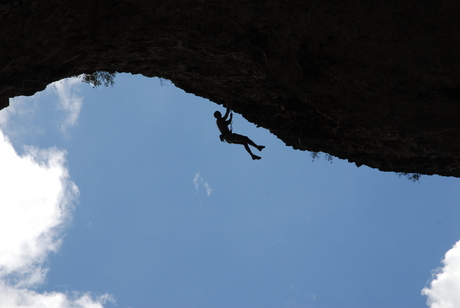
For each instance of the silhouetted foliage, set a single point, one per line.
(97, 79)
(163, 82)
(328, 157)
(414, 177)
(316, 155)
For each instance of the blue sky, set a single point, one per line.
(135, 202)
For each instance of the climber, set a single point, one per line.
(227, 135)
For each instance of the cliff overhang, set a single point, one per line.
(376, 83)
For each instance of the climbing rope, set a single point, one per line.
(230, 126)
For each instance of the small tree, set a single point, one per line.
(97, 79)
(316, 155)
(414, 177)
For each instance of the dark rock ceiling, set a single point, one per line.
(373, 82)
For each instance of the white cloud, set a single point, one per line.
(20, 108)
(19, 118)
(16, 297)
(69, 101)
(198, 181)
(36, 200)
(444, 289)
(208, 189)
(17, 106)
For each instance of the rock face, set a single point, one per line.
(374, 82)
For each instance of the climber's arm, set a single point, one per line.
(228, 113)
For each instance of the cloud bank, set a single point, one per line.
(35, 204)
(444, 289)
(36, 201)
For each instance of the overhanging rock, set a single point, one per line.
(375, 83)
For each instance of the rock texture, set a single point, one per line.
(374, 82)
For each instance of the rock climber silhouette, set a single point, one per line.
(226, 133)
